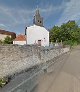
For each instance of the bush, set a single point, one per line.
(8, 40)
(68, 32)
(3, 82)
(70, 42)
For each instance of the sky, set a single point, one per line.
(15, 15)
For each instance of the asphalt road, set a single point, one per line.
(64, 77)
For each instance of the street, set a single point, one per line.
(65, 76)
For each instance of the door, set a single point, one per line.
(39, 42)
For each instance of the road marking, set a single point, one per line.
(25, 81)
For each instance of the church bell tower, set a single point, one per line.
(38, 20)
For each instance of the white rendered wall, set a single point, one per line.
(19, 42)
(35, 33)
(3, 36)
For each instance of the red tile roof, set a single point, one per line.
(20, 38)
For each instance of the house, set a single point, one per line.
(37, 34)
(4, 34)
(20, 40)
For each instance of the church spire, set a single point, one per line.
(37, 11)
(38, 20)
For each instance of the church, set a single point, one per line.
(37, 34)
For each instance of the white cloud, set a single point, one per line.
(2, 26)
(71, 12)
(13, 18)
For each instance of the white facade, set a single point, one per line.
(3, 36)
(19, 42)
(37, 35)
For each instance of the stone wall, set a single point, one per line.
(15, 58)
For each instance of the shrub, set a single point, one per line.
(8, 40)
(3, 82)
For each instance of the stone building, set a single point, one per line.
(4, 34)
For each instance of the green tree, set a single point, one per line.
(54, 34)
(68, 32)
(8, 40)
